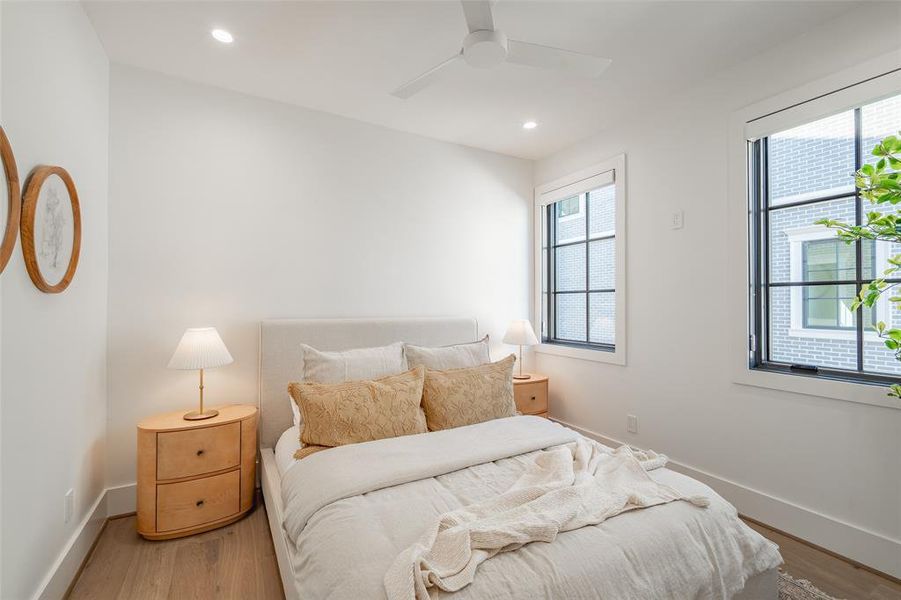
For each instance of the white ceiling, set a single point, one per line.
(346, 57)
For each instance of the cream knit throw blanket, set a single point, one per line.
(570, 486)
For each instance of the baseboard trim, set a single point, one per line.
(121, 500)
(857, 545)
(111, 503)
(55, 584)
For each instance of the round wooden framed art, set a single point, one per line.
(13, 203)
(51, 228)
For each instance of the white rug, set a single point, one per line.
(799, 589)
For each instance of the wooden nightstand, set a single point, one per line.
(531, 395)
(195, 476)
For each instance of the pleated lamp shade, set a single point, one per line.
(520, 333)
(200, 348)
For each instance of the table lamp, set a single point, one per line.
(200, 348)
(520, 333)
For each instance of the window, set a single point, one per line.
(829, 306)
(579, 244)
(804, 279)
(571, 208)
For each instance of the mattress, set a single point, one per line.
(344, 536)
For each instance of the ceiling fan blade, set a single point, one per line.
(478, 15)
(421, 82)
(556, 59)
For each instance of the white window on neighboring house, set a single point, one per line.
(824, 311)
(570, 209)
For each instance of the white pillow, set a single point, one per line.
(458, 356)
(352, 365)
(285, 448)
(294, 410)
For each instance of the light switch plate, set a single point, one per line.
(631, 423)
(678, 219)
(68, 505)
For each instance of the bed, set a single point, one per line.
(339, 518)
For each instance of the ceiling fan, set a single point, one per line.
(486, 47)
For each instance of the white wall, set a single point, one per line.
(227, 209)
(55, 111)
(815, 457)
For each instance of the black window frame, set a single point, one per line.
(759, 277)
(550, 296)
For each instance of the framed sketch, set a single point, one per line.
(10, 202)
(51, 228)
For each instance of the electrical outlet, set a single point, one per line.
(68, 505)
(678, 219)
(631, 423)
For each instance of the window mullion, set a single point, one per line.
(587, 274)
(763, 255)
(858, 220)
(551, 273)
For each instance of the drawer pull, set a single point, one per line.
(200, 452)
(199, 503)
(533, 397)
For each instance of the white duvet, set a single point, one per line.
(350, 511)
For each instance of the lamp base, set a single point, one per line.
(199, 416)
(522, 377)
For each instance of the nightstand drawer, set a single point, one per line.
(531, 398)
(198, 451)
(199, 501)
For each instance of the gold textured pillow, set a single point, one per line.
(458, 397)
(335, 414)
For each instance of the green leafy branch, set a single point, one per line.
(879, 183)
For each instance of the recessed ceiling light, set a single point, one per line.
(529, 125)
(221, 35)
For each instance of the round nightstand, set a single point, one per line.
(194, 476)
(531, 395)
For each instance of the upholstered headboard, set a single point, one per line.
(281, 361)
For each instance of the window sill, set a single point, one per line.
(616, 357)
(860, 393)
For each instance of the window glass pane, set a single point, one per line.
(792, 343)
(568, 207)
(602, 264)
(569, 215)
(876, 254)
(571, 317)
(828, 307)
(816, 159)
(830, 259)
(876, 357)
(569, 263)
(602, 211)
(602, 318)
(791, 229)
(879, 120)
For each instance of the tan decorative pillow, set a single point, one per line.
(458, 397)
(308, 450)
(335, 414)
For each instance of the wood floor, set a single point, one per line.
(238, 562)
(832, 575)
(234, 562)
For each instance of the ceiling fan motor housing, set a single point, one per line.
(485, 49)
